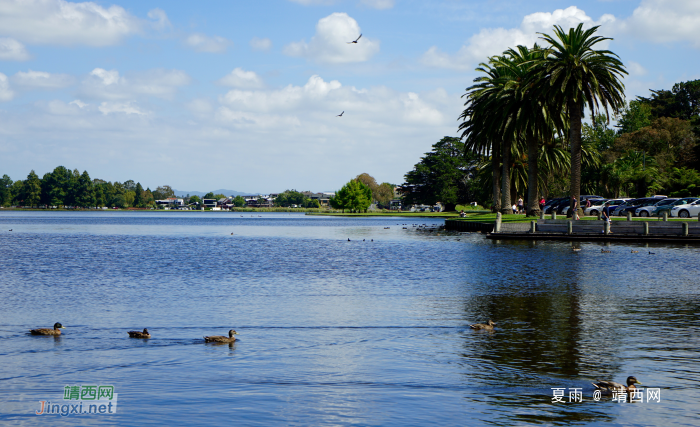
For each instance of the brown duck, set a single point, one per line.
(56, 331)
(488, 326)
(218, 338)
(607, 387)
(137, 334)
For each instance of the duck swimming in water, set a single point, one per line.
(607, 387)
(219, 338)
(137, 334)
(488, 326)
(56, 331)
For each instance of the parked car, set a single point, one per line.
(553, 203)
(614, 203)
(688, 210)
(566, 201)
(596, 206)
(632, 205)
(645, 211)
(659, 210)
(581, 204)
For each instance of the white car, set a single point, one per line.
(686, 211)
(646, 211)
(596, 206)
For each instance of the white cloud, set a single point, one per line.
(664, 21)
(6, 93)
(493, 41)
(104, 84)
(329, 44)
(242, 79)
(42, 79)
(295, 125)
(120, 107)
(378, 4)
(60, 108)
(160, 19)
(635, 69)
(263, 44)
(66, 23)
(12, 50)
(204, 43)
(319, 99)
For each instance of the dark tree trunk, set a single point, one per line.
(496, 166)
(506, 207)
(575, 113)
(533, 206)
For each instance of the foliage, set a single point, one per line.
(354, 196)
(443, 175)
(636, 115)
(163, 192)
(575, 76)
(239, 202)
(5, 190)
(384, 194)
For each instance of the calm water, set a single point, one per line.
(335, 332)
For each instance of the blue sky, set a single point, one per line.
(243, 95)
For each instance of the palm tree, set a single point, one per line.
(484, 124)
(477, 138)
(575, 76)
(529, 114)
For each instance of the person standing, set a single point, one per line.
(574, 206)
(520, 205)
(542, 203)
(606, 213)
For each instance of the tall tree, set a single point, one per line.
(5, 190)
(528, 114)
(139, 201)
(32, 189)
(369, 181)
(575, 75)
(442, 175)
(483, 126)
(85, 193)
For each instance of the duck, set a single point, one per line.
(607, 387)
(219, 338)
(56, 331)
(487, 327)
(137, 334)
(576, 249)
(634, 252)
(603, 251)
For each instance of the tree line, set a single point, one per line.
(63, 187)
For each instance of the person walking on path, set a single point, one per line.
(520, 205)
(542, 203)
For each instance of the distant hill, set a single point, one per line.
(181, 193)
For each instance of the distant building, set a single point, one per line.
(171, 202)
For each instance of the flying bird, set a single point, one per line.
(339, 115)
(355, 41)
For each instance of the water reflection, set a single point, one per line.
(338, 332)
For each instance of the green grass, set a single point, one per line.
(491, 217)
(392, 213)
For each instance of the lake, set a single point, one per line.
(372, 331)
